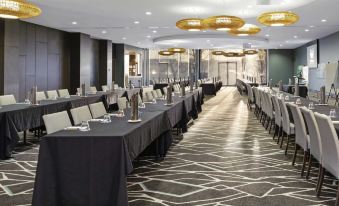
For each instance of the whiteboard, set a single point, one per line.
(305, 74)
(331, 76)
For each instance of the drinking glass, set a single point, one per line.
(85, 126)
(311, 105)
(121, 113)
(287, 98)
(107, 118)
(27, 101)
(154, 101)
(333, 113)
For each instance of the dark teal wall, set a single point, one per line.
(281, 65)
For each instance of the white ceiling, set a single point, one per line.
(116, 18)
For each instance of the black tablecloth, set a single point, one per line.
(303, 91)
(90, 168)
(20, 117)
(209, 88)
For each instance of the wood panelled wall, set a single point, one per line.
(51, 59)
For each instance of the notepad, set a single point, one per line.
(97, 120)
(72, 128)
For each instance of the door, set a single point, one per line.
(231, 73)
(222, 72)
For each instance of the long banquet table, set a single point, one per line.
(90, 168)
(21, 117)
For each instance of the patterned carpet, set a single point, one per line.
(226, 158)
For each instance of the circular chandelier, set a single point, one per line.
(18, 9)
(282, 18)
(250, 52)
(218, 53)
(234, 54)
(246, 30)
(223, 23)
(191, 24)
(165, 53)
(177, 50)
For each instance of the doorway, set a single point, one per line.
(227, 72)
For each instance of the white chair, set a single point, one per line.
(288, 127)
(315, 141)
(159, 93)
(301, 138)
(93, 90)
(56, 122)
(148, 97)
(330, 150)
(277, 117)
(97, 109)
(176, 88)
(165, 91)
(104, 88)
(122, 103)
(53, 94)
(7, 100)
(63, 93)
(80, 114)
(40, 96)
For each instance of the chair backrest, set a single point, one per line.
(176, 88)
(97, 109)
(122, 101)
(329, 144)
(313, 132)
(80, 114)
(159, 93)
(7, 99)
(53, 94)
(165, 91)
(285, 117)
(93, 89)
(300, 128)
(63, 93)
(277, 111)
(56, 122)
(155, 94)
(269, 105)
(40, 96)
(104, 88)
(148, 97)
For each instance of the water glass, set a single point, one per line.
(333, 113)
(107, 118)
(142, 105)
(287, 98)
(154, 101)
(298, 101)
(311, 105)
(85, 126)
(121, 113)
(27, 101)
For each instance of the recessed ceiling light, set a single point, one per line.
(307, 30)
(312, 26)
(323, 20)
(286, 41)
(148, 13)
(267, 35)
(208, 40)
(154, 31)
(124, 38)
(212, 45)
(204, 31)
(281, 45)
(136, 22)
(104, 32)
(296, 37)
(138, 42)
(74, 23)
(148, 36)
(249, 6)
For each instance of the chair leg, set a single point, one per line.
(296, 148)
(287, 144)
(282, 140)
(25, 137)
(271, 124)
(320, 180)
(304, 163)
(309, 166)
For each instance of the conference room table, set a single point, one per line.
(90, 168)
(211, 88)
(21, 117)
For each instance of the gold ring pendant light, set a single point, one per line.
(165, 53)
(218, 53)
(246, 30)
(191, 24)
(18, 9)
(177, 50)
(223, 23)
(234, 54)
(283, 18)
(250, 52)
